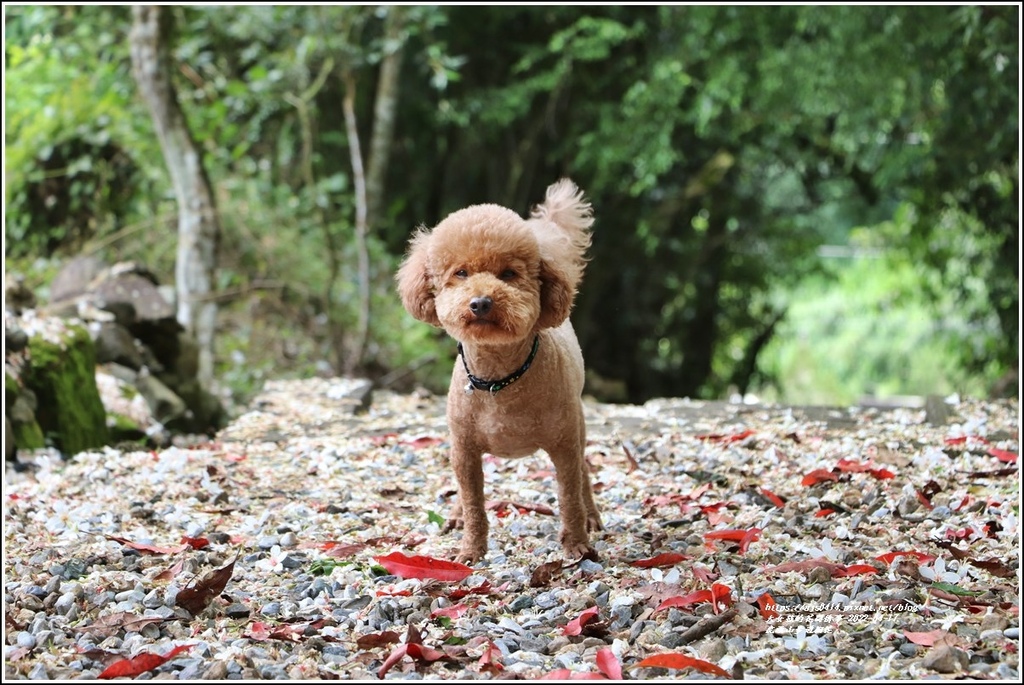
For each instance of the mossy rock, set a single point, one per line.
(64, 381)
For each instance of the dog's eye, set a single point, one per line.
(461, 273)
(508, 275)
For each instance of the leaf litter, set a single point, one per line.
(713, 562)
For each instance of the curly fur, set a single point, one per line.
(494, 281)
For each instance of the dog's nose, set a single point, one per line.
(480, 306)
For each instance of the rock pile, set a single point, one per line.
(118, 322)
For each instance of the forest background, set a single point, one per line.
(809, 203)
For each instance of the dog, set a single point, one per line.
(503, 287)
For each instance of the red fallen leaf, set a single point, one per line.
(703, 575)
(423, 441)
(857, 569)
(413, 648)
(451, 612)
(195, 543)
(416, 651)
(169, 573)
(963, 439)
(994, 566)
(850, 466)
(340, 551)
(773, 498)
(686, 600)
(374, 640)
(196, 598)
(490, 660)
(753, 535)
(660, 561)
(923, 499)
(383, 439)
(925, 639)
(1003, 455)
(123, 620)
(817, 476)
(390, 591)
(288, 632)
(423, 567)
(963, 503)
(743, 537)
(609, 664)
(139, 664)
(542, 575)
(148, 549)
(483, 588)
(680, 661)
(822, 513)
(718, 594)
(921, 557)
(575, 626)
(715, 437)
(767, 606)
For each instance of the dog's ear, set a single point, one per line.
(556, 296)
(415, 285)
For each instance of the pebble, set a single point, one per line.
(524, 623)
(520, 603)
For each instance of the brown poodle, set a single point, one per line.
(503, 288)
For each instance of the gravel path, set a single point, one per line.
(772, 543)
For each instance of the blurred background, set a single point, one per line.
(807, 204)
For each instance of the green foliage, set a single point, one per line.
(73, 129)
(721, 147)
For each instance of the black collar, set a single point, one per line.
(495, 386)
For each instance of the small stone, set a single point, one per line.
(289, 539)
(556, 643)
(268, 541)
(26, 640)
(38, 672)
(153, 599)
(218, 670)
(271, 609)
(994, 622)
(1012, 633)
(946, 659)
(520, 603)
(909, 649)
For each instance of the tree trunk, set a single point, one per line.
(384, 109)
(198, 231)
(355, 361)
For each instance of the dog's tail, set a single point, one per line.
(565, 207)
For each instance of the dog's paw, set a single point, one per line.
(594, 522)
(470, 554)
(455, 519)
(580, 550)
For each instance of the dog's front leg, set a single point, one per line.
(469, 511)
(572, 503)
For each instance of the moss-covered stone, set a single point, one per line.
(123, 429)
(11, 390)
(63, 378)
(27, 435)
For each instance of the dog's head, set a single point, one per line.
(480, 274)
